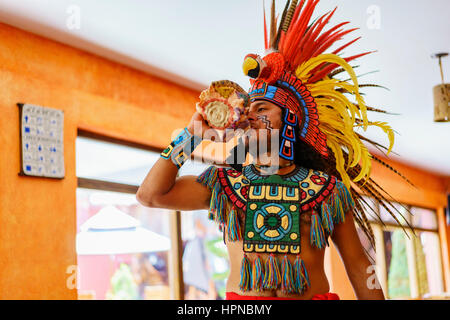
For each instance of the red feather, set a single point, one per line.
(321, 74)
(266, 42)
(300, 27)
(282, 38)
(345, 46)
(332, 39)
(324, 36)
(306, 39)
(289, 33)
(306, 52)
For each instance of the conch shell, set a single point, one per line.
(223, 105)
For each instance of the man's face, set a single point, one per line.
(265, 120)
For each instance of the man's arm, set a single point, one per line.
(162, 189)
(356, 263)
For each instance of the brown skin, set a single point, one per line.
(161, 189)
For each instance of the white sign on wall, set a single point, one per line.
(42, 143)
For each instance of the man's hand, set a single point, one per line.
(200, 127)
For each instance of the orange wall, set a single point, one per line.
(38, 215)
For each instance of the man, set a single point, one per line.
(277, 219)
(161, 188)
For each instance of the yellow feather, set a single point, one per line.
(338, 106)
(304, 69)
(338, 117)
(341, 98)
(347, 136)
(364, 165)
(387, 129)
(334, 146)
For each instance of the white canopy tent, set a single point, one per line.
(112, 231)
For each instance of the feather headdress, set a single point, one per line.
(299, 73)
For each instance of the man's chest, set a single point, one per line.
(273, 209)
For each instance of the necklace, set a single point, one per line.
(268, 170)
(279, 167)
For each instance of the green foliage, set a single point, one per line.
(123, 286)
(215, 247)
(398, 278)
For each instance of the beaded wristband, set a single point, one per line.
(180, 149)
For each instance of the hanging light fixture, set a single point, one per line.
(441, 95)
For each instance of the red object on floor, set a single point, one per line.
(235, 296)
(326, 296)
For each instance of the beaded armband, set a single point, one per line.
(180, 149)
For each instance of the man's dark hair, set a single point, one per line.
(306, 156)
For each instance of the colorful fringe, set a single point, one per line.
(292, 279)
(217, 205)
(345, 197)
(246, 275)
(338, 210)
(233, 226)
(327, 218)
(272, 276)
(257, 275)
(317, 235)
(221, 209)
(332, 212)
(301, 279)
(287, 277)
(209, 177)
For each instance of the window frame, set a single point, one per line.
(380, 256)
(175, 266)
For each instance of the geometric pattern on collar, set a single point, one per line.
(314, 185)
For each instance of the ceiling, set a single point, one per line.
(196, 42)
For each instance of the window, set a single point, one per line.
(408, 266)
(205, 257)
(123, 248)
(112, 162)
(128, 251)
